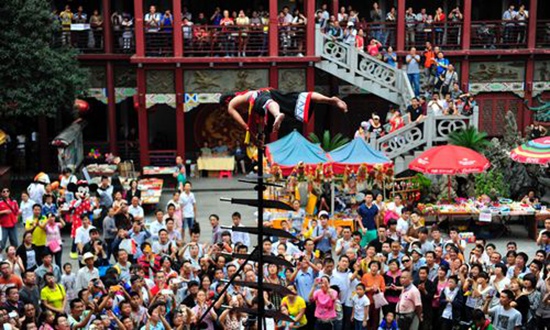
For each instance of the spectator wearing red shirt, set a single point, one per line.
(439, 21)
(374, 48)
(360, 40)
(9, 211)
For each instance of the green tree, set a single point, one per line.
(469, 137)
(35, 79)
(328, 143)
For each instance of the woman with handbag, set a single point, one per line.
(374, 285)
(53, 237)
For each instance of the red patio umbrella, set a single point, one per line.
(450, 160)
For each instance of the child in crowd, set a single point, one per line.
(360, 311)
(68, 280)
(480, 321)
(388, 323)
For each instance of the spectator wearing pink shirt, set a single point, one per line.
(373, 49)
(324, 298)
(410, 303)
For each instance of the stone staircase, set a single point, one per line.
(407, 143)
(362, 70)
(390, 83)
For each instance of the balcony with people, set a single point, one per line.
(94, 33)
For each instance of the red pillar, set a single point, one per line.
(467, 25)
(142, 118)
(178, 34)
(273, 29)
(310, 28)
(273, 83)
(531, 33)
(465, 74)
(140, 36)
(180, 114)
(335, 8)
(107, 31)
(309, 127)
(529, 77)
(401, 4)
(111, 107)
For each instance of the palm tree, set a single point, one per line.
(328, 143)
(469, 137)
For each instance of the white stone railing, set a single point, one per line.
(424, 133)
(359, 63)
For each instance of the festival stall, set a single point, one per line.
(534, 152)
(306, 169)
(293, 150)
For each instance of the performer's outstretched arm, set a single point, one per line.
(334, 101)
(238, 101)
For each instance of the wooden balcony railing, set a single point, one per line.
(543, 33)
(499, 34)
(292, 40)
(228, 41)
(124, 40)
(159, 42)
(446, 35)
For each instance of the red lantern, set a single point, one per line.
(81, 106)
(136, 102)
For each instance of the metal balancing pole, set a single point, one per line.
(261, 307)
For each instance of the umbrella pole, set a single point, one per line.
(332, 197)
(449, 187)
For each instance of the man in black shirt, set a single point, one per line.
(427, 291)
(414, 111)
(382, 238)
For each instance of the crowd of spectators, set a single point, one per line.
(160, 273)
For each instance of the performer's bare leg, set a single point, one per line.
(275, 111)
(334, 101)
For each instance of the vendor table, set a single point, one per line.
(216, 163)
(151, 190)
(159, 170)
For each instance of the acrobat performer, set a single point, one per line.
(277, 103)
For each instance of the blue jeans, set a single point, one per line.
(414, 79)
(188, 223)
(10, 233)
(358, 325)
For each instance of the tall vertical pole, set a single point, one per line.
(261, 308)
(401, 25)
(310, 28)
(178, 33)
(143, 128)
(107, 31)
(111, 107)
(467, 25)
(139, 33)
(532, 25)
(273, 29)
(180, 113)
(335, 8)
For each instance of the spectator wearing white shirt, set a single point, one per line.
(157, 225)
(397, 205)
(188, 208)
(88, 273)
(25, 207)
(291, 249)
(136, 210)
(403, 221)
(152, 20)
(237, 236)
(82, 235)
(436, 106)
